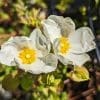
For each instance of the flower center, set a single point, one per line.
(27, 55)
(64, 45)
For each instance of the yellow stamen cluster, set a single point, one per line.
(64, 45)
(27, 55)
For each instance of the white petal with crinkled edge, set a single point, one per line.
(75, 58)
(33, 36)
(51, 29)
(70, 23)
(82, 40)
(40, 41)
(7, 55)
(50, 60)
(18, 42)
(37, 67)
(64, 60)
(22, 42)
(66, 25)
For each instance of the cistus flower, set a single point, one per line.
(69, 45)
(29, 54)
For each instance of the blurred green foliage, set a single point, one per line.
(63, 5)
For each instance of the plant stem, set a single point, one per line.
(84, 94)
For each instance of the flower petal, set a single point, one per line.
(44, 65)
(64, 60)
(66, 24)
(51, 62)
(19, 42)
(76, 59)
(33, 37)
(51, 29)
(7, 55)
(40, 41)
(82, 40)
(22, 41)
(35, 68)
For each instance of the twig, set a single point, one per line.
(70, 90)
(90, 97)
(84, 94)
(66, 81)
(92, 27)
(97, 49)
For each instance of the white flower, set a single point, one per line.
(30, 54)
(69, 45)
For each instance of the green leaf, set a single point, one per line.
(79, 74)
(50, 79)
(26, 82)
(57, 81)
(10, 83)
(64, 96)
